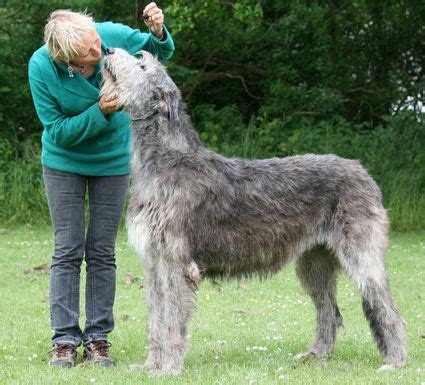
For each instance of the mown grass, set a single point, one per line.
(243, 335)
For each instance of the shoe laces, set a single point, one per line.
(101, 347)
(62, 350)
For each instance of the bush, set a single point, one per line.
(22, 190)
(393, 154)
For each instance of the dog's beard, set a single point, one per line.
(109, 87)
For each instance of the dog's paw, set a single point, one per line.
(164, 372)
(306, 356)
(390, 367)
(138, 367)
(145, 367)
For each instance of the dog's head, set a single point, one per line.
(141, 85)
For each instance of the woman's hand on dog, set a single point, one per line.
(108, 105)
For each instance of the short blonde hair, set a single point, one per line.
(66, 32)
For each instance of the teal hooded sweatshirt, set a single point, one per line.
(77, 137)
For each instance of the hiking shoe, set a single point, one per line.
(97, 352)
(63, 355)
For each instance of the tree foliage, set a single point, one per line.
(284, 61)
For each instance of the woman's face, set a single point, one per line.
(92, 52)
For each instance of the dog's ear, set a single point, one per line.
(140, 54)
(171, 105)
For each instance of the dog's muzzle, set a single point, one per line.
(107, 68)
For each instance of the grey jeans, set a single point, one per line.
(66, 195)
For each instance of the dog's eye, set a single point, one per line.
(142, 67)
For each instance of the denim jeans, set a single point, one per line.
(66, 195)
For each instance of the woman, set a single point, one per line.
(85, 145)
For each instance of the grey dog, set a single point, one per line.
(195, 213)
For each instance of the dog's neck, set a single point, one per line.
(156, 131)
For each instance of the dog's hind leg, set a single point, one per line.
(361, 254)
(317, 270)
(180, 280)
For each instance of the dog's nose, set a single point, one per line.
(110, 51)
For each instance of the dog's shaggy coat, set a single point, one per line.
(193, 212)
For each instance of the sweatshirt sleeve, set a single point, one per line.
(64, 131)
(137, 41)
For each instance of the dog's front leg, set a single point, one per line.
(155, 303)
(180, 281)
(154, 299)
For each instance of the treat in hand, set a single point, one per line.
(154, 18)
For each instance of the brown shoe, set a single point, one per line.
(97, 352)
(63, 355)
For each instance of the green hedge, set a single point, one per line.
(393, 154)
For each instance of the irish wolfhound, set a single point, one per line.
(193, 212)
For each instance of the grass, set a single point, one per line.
(238, 335)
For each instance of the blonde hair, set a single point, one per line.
(66, 32)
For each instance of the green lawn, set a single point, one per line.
(244, 335)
